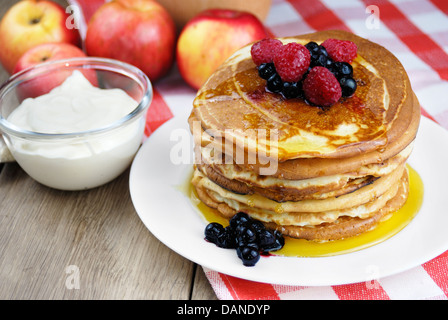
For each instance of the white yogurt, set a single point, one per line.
(78, 163)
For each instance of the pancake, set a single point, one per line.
(235, 97)
(323, 226)
(348, 200)
(281, 193)
(346, 226)
(306, 168)
(238, 180)
(317, 173)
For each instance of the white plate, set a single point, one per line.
(155, 182)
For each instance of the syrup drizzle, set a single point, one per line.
(304, 248)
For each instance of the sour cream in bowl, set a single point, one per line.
(75, 124)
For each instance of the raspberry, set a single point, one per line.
(263, 51)
(292, 61)
(321, 87)
(341, 50)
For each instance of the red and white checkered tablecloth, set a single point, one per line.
(416, 31)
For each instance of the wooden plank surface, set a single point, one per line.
(54, 242)
(84, 245)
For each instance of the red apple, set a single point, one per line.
(46, 52)
(210, 38)
(139, 32)
(29, 23)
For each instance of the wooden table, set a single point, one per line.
(84, 245)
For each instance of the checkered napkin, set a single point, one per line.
(416, 31)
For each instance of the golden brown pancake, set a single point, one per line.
(347, 200)
(339, 170)
(305, 168)
(320, 226)
(280, 193)
(235, 97)
(234, 178)
(345, 227)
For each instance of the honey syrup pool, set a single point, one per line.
(305, 248)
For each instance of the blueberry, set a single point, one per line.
(312, 46)
(239, 229)
(266, 240)
(266, 70)
(320, 61)
(348, 86)
(245, 235)
(320, 58)
(258, 226)
(249, 255)
(271, 241)
(249, 245)
(279, 240)
(291, 90)
(226, 239)
(239, 218)
(275, 83)
(213, 231)
(342, 70)
(248, 236)
(322, 51)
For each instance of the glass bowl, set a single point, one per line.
(76, 159)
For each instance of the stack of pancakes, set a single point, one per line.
(309, 172)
